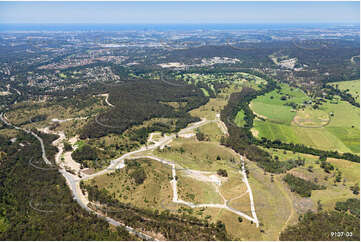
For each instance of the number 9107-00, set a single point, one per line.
(341, 234)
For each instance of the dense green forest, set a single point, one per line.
(135, 171)
(141, 134)
(84, 153)
(137, 101)
(301, 186)
(325, 226)
(36, 204)
(351, 205)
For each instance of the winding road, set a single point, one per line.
(106, 95)
(4, 119)
(73, 181)
(213, 205)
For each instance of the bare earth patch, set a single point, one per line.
(303, 119)
(254, 132)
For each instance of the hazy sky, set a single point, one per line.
(179, 12)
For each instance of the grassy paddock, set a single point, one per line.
(212, 131)
(155, 191)
(192, 154)
(271, 106)
(335, 125)
(339, 191)
(353, 87)
(195, 191)
(239, 119)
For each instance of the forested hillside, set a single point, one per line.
(325, 225)
(169, 226)
(36, 204)
(135, 102)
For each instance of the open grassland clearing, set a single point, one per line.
(353, 88)
(315, 137)
(335, 191)
(272, 106)
(208, 187)
(244, 230)
(276, 206)
(192, 154)
(155, 193)
(274, 203)
(241, 203)
(201, 187)
(334, 125)
(239, 119)
(212, 132)
(351, 169)
(233, 187)
(237, 230)
(152, 193)
(209, 110)
(196, 191)
(176, 105)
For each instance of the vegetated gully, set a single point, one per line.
(73, 181)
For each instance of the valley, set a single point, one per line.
(180, 135)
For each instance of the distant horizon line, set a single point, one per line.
(182, 23)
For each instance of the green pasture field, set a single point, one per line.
(334, 126)
(239, 119)
(271, 107)
(320, 138)
(352, 86)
